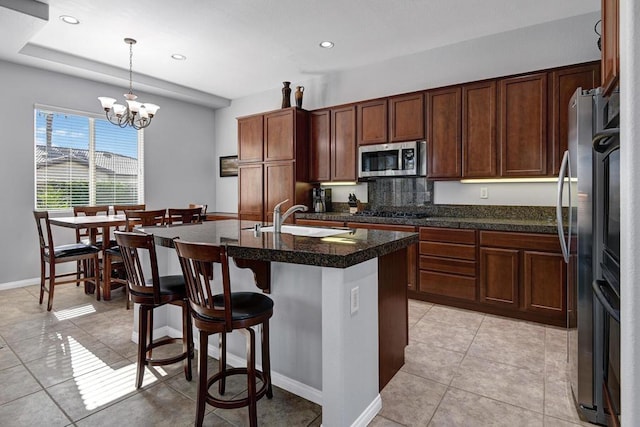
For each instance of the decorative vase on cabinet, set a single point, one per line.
(286, 95)
(298, 96)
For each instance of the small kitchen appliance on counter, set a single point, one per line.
(321, 198)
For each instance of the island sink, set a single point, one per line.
(297, 230)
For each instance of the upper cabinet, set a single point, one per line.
(523, 125)
(479, 146)
(372, 122)
(343, 144)
(406, 118)
(320, 146)
(444, 153)
(610, 44)
(250, 140)
(564, 83)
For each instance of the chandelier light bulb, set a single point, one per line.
(133, 113)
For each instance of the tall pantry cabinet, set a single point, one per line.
(272, 162)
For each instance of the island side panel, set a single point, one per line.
(393, 313)
(350, 345)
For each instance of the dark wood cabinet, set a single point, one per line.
(412, 251)
(320, 146)
(479, 145)
(610, 44)
(447, 264)
(250, 192)
(444, 113)
(250, 139)
(564, 83)
(372, 122)
(523, 125)
(274, 162)
(406, 118)
(525, 274)
(343, 144)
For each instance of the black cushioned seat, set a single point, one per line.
(73, 249)
(244, 305)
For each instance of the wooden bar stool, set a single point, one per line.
(184, 216)
(222, 313)
(54, 255)
(151, 293)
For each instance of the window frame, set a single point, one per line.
(92, 117)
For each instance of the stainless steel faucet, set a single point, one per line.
(279, 219)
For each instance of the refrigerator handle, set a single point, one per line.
(564, 168)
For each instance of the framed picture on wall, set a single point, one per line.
(228, 166)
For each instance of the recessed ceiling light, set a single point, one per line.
(326, 44)
(69, 19)
(178, 57)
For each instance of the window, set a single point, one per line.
(82, 159)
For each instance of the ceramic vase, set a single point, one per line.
(298, 96)
(286, 95)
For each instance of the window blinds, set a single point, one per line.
(84, 160)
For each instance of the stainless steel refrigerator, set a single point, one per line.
(575, 192)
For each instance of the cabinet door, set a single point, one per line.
(372, 122)
(499, 277)
(343, 144)
(250, 138)
(443, 130)
(523, 125)
(610, 44)
(250, 192)
(279, 141)
(406, 117)
(564, 83)
(320, 150)
(545, 277)
(279, 185)
(479, 147)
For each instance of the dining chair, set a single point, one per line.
(184, 216)
(54, 255)
(138, 251)
(222, 313)
(203, 208)
(113, 257)
(84, 235)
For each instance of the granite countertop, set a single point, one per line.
(536, 225)
(340, 251)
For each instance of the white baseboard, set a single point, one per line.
(369, 413)
(19, 284)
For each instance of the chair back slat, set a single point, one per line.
(120, 210)
(203, 209)
(184, 216)
(46, 240)
(133, 247)
(197, 261)
(88, 211)
(144, 218)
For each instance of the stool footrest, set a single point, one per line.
(233, 403)
(167, 360)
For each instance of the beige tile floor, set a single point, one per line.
(76, 366)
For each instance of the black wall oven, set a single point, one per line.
(606, 286)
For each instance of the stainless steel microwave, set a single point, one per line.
(392, 159)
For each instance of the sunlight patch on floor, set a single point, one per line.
(71, 313)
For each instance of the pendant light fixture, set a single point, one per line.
(136, 114)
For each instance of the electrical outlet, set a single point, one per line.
(355, 300)
(484, 193)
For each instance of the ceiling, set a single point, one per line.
(236, 48)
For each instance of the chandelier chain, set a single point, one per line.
(130, 67)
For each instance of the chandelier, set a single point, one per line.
(136, 114)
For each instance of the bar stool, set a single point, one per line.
(184, 216)
(152, 293)
(222, 313)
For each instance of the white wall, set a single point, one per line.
(179, 155)
(558, 43)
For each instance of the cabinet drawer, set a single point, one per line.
(448, 235)
(446, 265)
(523, 241)
(448, 285)
(448, 250)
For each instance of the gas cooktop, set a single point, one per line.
(392, 214)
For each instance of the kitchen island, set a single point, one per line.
(340, 318)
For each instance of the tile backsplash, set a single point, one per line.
(400, 192)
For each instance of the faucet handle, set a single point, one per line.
(277, 207)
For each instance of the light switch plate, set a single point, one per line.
(355, 300)
(484, 193)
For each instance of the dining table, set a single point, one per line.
(93, 224)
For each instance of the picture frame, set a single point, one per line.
(228, 166)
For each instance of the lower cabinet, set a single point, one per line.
(524, 273)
